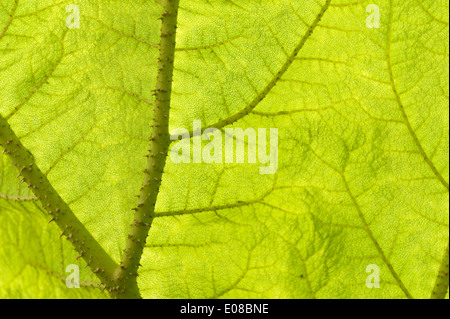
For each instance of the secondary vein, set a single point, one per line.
(261, 96)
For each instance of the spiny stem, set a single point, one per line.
(59, 212)
(441, 284)
(159, 146)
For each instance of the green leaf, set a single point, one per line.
(362, 118)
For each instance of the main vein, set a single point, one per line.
(159, 145)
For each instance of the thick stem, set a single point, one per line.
(159, 146)
(86, 245)
(441, 284)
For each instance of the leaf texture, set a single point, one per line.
(362, 116)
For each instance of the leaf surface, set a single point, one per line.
(362, 116)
